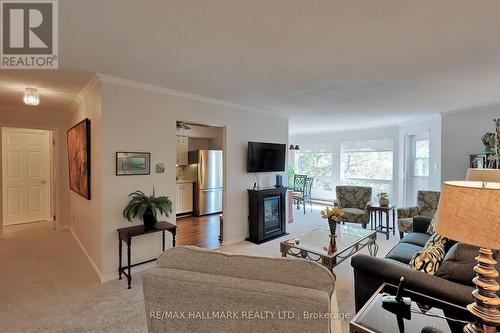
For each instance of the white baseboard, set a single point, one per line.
(233, 241)
(94, 266)
(109, 277)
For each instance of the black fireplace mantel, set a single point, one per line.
(266, 214)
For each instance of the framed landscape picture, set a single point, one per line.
(78, 138)
(133, 163)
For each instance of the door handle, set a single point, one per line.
(43, 182)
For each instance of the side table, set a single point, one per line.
(377, 221)
(424, 311)
(126, 235)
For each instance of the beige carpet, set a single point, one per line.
(47, 284)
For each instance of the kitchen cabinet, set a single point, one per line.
(184, 198)
(182, 150)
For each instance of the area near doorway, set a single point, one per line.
(26, 175)
(199, 184)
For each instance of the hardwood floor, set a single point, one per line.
(202, 231)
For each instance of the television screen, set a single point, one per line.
(266, 157)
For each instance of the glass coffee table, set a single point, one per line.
(313, 245)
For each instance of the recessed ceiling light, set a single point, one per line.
(31, 97)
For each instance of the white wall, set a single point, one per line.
(86, 215)
(42, 119)
(461, 136)
(137, 117)
(334, 139)
(431, 125)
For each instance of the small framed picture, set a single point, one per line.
(133, 163)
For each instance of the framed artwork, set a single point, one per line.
(133, 163)
(78, 140)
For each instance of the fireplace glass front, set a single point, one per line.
(271, 214)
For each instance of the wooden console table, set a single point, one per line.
(126, 235)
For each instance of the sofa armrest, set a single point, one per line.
(421, 223)
(368, 204)
(407, 212)
(371, 272)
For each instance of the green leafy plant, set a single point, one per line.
(291, 175)
(383, 195)
(489, 140)
(141, 204)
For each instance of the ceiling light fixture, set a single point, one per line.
(31, 97)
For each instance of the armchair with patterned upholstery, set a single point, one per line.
(427, 204)
(354, 202)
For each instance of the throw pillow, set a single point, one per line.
(430, 258)
(458, 264)
(430, 229)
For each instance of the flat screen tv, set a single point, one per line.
(266, 157)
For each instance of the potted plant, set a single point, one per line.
(383, 199)
(489, 142)
(147, 207)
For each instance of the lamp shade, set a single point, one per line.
(469, 212)
(483, 175)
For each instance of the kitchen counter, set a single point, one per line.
(184, 181)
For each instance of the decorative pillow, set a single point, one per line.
(430, 258)
(430, 229)
(458, 264)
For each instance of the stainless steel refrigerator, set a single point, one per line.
(209, 183)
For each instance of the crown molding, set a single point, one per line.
(435, 116)
(182, 94)
(473, 108)
(85, 90)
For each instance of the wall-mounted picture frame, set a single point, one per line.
(78, 141)
(133, 163)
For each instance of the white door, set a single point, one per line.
(25, 175)
(417, 170)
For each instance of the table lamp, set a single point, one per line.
(469, 212)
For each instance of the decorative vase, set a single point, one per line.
(383, 201)
(149, 219)
(332, 246)
(333, 226)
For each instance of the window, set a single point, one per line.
(316, 161)
(421, 160)
(368, 163)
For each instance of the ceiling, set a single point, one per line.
(58, 89)
(327, 64)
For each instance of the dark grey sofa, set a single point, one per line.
(452, 283)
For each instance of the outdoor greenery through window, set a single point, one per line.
(421, 161)
(368, 163)
(318, 165)
(315, 160)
